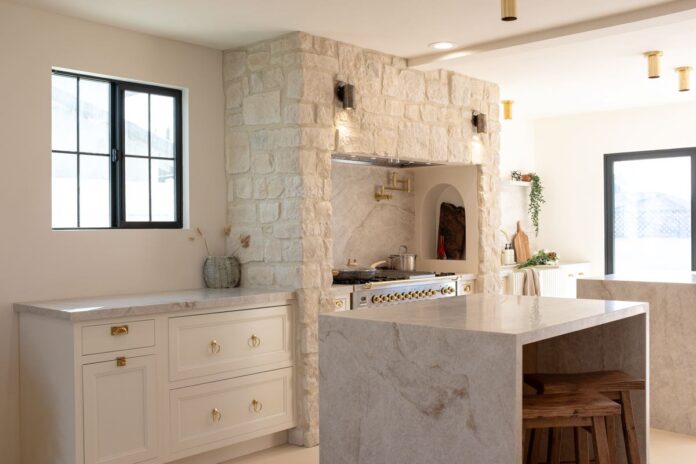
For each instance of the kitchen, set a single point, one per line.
(296, 159)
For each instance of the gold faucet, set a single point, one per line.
(402, 185)
(380, 194)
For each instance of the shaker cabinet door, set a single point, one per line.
(120, 411)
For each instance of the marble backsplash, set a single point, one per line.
(364, 228)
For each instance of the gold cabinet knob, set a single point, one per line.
(338, 303)
(215, 347)
(254, 341)
(118, 330)
(120, 361)
(467, 288)
(216, 415)
(256, 406)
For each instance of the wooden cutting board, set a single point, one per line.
(521, 245)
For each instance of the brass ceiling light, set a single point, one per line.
(653, 63)
(684, 78)
(508, 10)
(507, 108)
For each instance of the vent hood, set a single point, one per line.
(374, 160)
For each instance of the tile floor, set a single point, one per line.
(666, 448)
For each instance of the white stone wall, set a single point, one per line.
(282, 124)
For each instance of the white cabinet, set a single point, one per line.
(560, 281)
(120, 412)
(157, 387)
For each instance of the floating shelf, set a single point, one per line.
(516, 183)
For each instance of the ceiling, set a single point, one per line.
(399, 27)
(560, 57)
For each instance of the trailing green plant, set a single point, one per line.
(536, 198)
(540, 258)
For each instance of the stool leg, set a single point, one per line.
(599, 434)
(582, 455)
(611, 437)
(554, 456)
(535, 446)
(529, 447)
(629, 429)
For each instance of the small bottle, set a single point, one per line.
(508, 257)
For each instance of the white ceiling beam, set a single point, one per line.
(666, 13)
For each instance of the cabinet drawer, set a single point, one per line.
(227, 409)
(116, 337)
(246, 341)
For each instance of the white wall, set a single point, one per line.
(516, 154)
(37, 263)
(569, 158)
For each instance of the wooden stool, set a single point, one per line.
(578, 410)
(616, 385)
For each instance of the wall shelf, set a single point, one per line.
(516, 183)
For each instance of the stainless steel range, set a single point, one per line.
(394, 287)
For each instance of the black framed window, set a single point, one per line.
(116, 154)
(650, 211)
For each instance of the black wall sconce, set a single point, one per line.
(480, 122)
(345, 93)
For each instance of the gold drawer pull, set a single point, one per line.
(254, 341)
(467, 288)
(581, 273)
(120, 361)
(339, 304)
(256, 406)
(216, 414)
(215, 347)
(117, 330)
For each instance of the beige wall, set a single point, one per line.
(569, 158)
(37, 263)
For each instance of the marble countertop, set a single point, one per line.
(670, 277)
(84, 309)
(529, 319)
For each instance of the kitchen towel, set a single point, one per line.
(531, 282)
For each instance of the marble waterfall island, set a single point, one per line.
(672, 298)
(440, 382)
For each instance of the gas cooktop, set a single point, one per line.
(389, 275)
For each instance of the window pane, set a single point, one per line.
(137, 190)
(162, 126)
(136, 115)
(94, 116)
(94, 191)
(652, 215)
(64, 190)
(64, 113)
(163, 194)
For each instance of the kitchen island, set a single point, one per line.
(441, 381)
(672, 298)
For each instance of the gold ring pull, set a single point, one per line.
(117, 330)
(120, 361)
(254, 341)
(216, 414)
(256, 406)
(215, 347)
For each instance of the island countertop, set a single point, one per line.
(527, 318)
(85, 309)
(667, 277)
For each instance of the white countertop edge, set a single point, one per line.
(116, 306)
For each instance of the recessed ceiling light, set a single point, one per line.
(442, 45)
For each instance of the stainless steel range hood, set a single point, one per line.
(374, 160)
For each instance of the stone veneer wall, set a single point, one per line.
(283, 123)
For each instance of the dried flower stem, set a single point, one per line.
(205, 242)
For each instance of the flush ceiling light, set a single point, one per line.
(508, 10)
(653, 63)
(684, 78)
(480, 122)
(442, 45)
(344, 93)
(507, 108)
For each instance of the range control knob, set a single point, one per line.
(431, 292)
(421, 294)
(376, 299)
